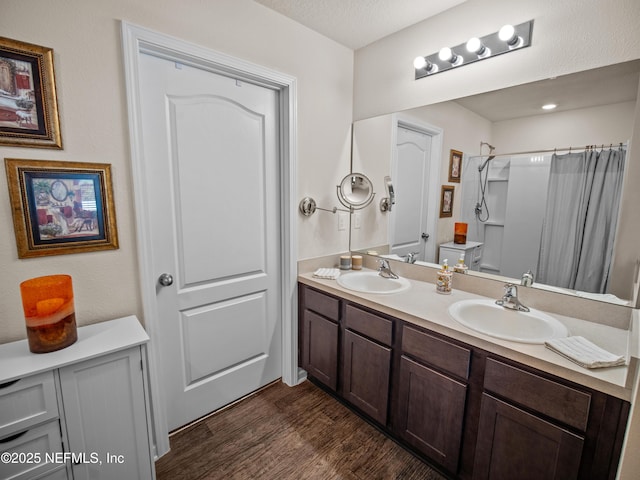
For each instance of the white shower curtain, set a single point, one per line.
(580, 222)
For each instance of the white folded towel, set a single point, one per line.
(328, 273)
(584, 353)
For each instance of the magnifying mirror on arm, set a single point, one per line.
(355, 191)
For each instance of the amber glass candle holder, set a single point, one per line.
(49, 313)
(460, 233)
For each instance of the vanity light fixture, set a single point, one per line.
(508, 39)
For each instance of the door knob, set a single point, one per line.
(165, 280)
(425, 236)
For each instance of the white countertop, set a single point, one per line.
(17, 361)
(423, 306)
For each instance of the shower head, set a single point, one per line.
(491, 157)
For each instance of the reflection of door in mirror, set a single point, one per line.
(410, 168)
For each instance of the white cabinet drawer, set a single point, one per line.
(27, 402)
(59, 473)
(31, 452)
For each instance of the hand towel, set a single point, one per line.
(328, 273)
(584, 353)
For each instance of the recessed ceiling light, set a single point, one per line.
(549, 106)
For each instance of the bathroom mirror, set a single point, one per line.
(355, 191)
(595, 107)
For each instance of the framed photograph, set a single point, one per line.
(61, 207)
(455, 166)
(446, 201)
(28, 105)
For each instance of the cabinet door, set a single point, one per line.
(106, 418)
(320, 348)
(366, 375)
(515, 444)
(431, 412)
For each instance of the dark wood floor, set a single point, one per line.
(288, 433)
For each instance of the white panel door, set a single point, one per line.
(408, 221)
(211, 143)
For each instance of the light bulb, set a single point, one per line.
(508, 35)
(549, 106)
(445, 54)
(474, 45)
(448, 55)
(419, 62)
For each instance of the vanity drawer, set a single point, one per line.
(29, 401)
(31, 449)
(325, 305)
(545, 396)
(369, 324)
(436, 351)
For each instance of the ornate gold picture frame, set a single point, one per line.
(61, 207)
(28, 103)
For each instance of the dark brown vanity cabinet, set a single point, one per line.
(319, 335)
(432, 396)
(529, 444)
(366, 354)
(471, 413)
(532, 427)
(348, 349)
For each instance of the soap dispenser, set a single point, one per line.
(460, 267)
(444, 281)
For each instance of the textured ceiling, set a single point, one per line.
(356, 23)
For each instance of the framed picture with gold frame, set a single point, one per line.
(28, 103)
(455, 166)
(61, 207)
(446, 201)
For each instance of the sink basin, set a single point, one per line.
(371, 282)
(486, 317)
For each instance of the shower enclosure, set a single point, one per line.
(510, 204)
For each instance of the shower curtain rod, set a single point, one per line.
(553, 150)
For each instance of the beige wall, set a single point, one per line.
(85, 37)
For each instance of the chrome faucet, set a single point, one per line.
(384, 270)
(510, 299)
(410, 257)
